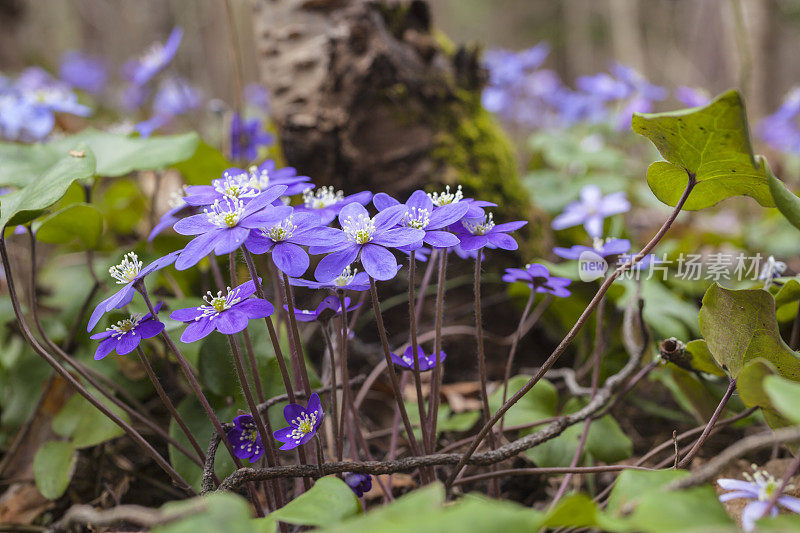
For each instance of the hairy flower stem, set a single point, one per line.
(343, 338)
(412, 316)
(513, 350)
(570, 336)
(168, 403)
(438, 370)
(337, 437)
(398, 393)
(494, 488)
(294, 335)
(248, 344)
(711, 422)
(77, 385)
(287, 380)
(262, 423)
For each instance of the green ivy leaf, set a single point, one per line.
(712, 143)
(53, 465)
(224, 511)
(786, 201)
(540, 402)
(330, 500)
(84, 424)
(79, 221)
(740, 325)
(27, 203)
(785, 396)
(118, 154)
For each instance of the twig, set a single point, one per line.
(550, 470)
(700, 441)
(135, 514)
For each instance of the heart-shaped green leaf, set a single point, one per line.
(27, 203)
(53, 465)
(78, 221)
(710, 143)
(330, 500)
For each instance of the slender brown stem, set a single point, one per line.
(343, 338)
(398, 393)
(65, 374)
(426, 281)
(513, 350)
(334, 403)
(412, 317)
(562, 346)
(550, 470)
(168, 403)
(494, 488)
(713, 420)
(438, 370)
(294, 336)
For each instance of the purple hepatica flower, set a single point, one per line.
(780, 129)
(84, 72)
(538, 278)
(285, 238)
(21, 120)
(327, 309)
(225, 225)
(247, 136)
(760, 487)
(175, 96)
(604, 86)
(420, 213)
(126, 334)
(692, 96)
(476, 233)
(245, 440)
(446, 198)
(39, 89)
(268, 173)
(591, 210)
(426, 362)
(603, 248)
(127, 273)
(327, 202)
(257, 95)
(350, 279)
(358, 483)
(303, 423)
(226, 313)
(368, 239)
(140, 71)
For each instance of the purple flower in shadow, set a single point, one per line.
(225, 225)
(327, 202)
(284, 240)
(591, 210)
(692, 96)
(759, 488)
(140, 71)
(127, 273)
(426, 362)
(84, 72)
(329, 307)
(247, 136)
(303, 423)
(476, 233)
(125, 335)
(420, 213)
(350, 279)
(358, 483)
(538, 278)
(244, 439)
(368, 239)
(227, 313)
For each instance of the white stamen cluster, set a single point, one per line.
(127, 270)
(225, 214)
(303, 425)
(281, 231)
(359, 230)
(322, 197)
(480, 226)
(447, 197)
(234, 186)
(125, 326)
(258, 179)
(766, 483)
(218, 303)
(417, 218)
(346, 277)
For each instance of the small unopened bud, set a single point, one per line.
(674, 351)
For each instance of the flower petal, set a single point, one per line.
(331, 266)
(255, 308)
(290, 259)
(378, 262)
(105, 348)
(231, 321)
(128, 343)
(197, 330)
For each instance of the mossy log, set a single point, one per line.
(366, 95)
